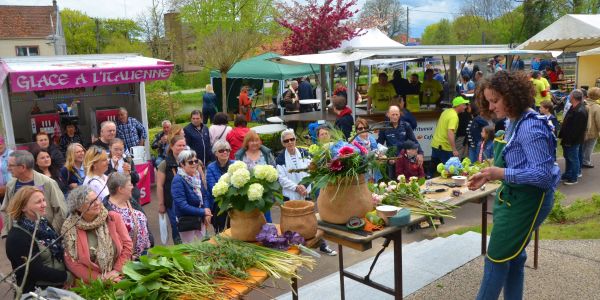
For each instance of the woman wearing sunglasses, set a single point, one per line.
(96, 164)
(190, 198)
(214, 171)
(367, 140)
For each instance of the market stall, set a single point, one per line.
(45, 93)
(588, 73)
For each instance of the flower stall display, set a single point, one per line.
(198, 270)
(246, 195)
(407, 194)
(338, 170)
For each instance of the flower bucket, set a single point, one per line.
(246, 225)
(350, 197)
(299, 216)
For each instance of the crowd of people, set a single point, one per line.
(87, 193)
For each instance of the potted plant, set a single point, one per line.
(338, 170)
(246, 195)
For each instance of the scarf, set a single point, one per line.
(105, 252)
(44, 235)
(194, 181)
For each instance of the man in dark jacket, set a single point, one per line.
(344, 120)
(198, 138)
(572, 134)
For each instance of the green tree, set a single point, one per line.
(438, 34)
(80, 32)
(226, 31)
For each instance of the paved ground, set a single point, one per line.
(467, 215)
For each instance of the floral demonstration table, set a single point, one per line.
(363, 243)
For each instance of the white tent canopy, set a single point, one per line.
(570, 33)
(595, 51)
(371, 38)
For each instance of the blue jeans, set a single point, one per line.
(173, 221)
(572, 162)
(473, 153)
(510, 275)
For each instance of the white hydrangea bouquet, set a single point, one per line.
(245, 191)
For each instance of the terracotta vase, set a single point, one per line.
(299, 216)
(350, 197)
(246, 225)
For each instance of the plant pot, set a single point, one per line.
(350, 197)
(299, 216)
(246, 225)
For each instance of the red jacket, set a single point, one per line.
(84, 268)
(407, 168)
(244, 100)
(235, 138)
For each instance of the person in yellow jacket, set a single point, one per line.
(443, 145)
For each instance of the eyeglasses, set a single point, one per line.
(361, 128)
(193, 162)
(224, 150)
(289, 140)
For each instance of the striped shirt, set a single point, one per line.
(530, 152)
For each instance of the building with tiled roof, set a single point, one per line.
(31, 31)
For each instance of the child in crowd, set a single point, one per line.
(474, 130)
(486, 145)
(547, 109)
(407, 164)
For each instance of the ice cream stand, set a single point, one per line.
(43, 93)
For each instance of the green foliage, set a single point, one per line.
(438, 34)
(557, 214)
(86, 35)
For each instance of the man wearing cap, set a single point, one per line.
(443, 145)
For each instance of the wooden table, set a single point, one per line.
(363, 243)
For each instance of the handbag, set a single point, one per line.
(164, 233)
(187, 223)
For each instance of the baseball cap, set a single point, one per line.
(458, 101)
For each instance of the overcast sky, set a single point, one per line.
(421, 12)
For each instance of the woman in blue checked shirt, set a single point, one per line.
(524, 162)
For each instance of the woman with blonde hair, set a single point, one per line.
(209, 104)
(253, 153)
(176, 130)
(96, 164)
(27, 207)
(96, 241)
(73, 173)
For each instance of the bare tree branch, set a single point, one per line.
(28, 260)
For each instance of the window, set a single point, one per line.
(28, 50)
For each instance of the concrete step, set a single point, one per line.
(423, 263)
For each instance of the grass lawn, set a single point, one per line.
(581, 221)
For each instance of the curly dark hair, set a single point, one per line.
(515, 88)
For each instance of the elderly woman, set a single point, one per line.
(214, 171)
(524, 162)
(121, 201)
(292, 158)
(73, 173)
(119, 163)
(367, 140)
(164, 177)
(96, 165)
(96, 241)
(26, 207)
(253, 153)
(190, 198)
(45, 165)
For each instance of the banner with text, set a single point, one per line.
(25, 81)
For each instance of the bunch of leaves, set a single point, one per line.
(96, 289)
(220, 260)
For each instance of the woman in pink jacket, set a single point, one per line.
(96, 241)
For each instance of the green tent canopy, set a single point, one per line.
(259, 67)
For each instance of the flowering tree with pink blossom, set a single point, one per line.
(315, 27)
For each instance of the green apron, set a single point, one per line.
(516, 208)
